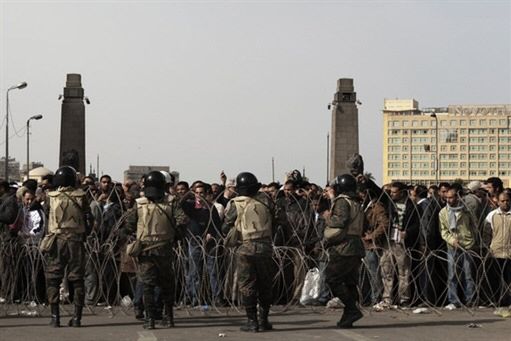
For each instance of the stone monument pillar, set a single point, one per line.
(72, 125)
(344, 135)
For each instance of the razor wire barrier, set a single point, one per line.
(111, 275)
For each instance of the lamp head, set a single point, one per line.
(20, 86)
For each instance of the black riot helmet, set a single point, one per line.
(154, 185)
(247, 184)
(345, 183)
(65, 177)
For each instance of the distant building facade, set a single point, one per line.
(14, 169)
(474, 142)
(134, 173)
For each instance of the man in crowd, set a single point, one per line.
(457, 228)
(431, 244)
(404, 218)
(106, 209)
(376, 227)
(8, 214)
(203, 235)
(500, 247)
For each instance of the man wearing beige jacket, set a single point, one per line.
(458, 229)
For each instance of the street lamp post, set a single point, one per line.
(35, 117)
(437, 161)
(19, 86)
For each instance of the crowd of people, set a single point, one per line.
(447, 245)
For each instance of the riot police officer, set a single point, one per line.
(344, 227)
(155, 221)
(68, 223)
(251, 214)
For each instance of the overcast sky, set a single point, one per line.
(205, 86)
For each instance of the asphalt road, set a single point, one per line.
(293, 324)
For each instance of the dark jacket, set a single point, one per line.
(411, 222)
(430, 238)
(8, 208)
(8, 213)
(204, 218)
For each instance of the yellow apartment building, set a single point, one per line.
(426, 146)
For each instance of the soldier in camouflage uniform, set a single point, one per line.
(251, 213)
(68, 223)
(345, 222)
(156, 221)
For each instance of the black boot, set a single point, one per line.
(168, 319)
(149, 318)
(350, 315)
(264, 324)
(139, 313)
(55, 315)
(149, 323)
(76, 320)
(251, 325)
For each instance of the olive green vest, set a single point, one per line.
(356, 226)
(254, 218)
(154, 221)
(66, 211)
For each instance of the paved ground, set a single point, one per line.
(294, 324)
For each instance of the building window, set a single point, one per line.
(463, 123)
(472, 123)
(448, 136)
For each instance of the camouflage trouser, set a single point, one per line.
(342, 278)
(255, 273)
(66, 256)
(156, 271)
(396, 255)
